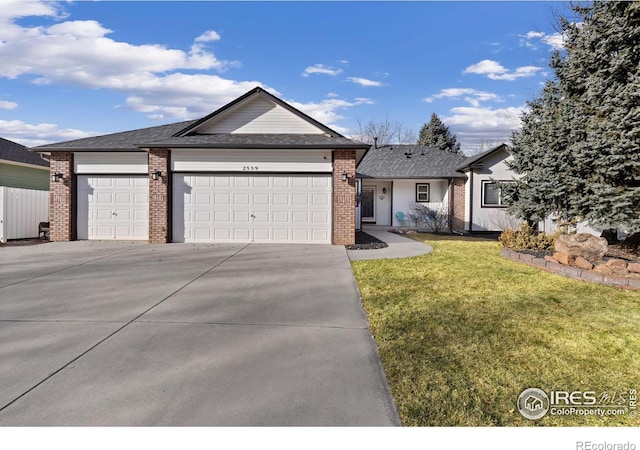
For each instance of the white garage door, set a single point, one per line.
(252, 208)
(113, 207)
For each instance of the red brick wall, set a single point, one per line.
(60, 203)
(159, 196)
(457, 208)
(344, 197)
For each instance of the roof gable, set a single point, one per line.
(481, 158)
(257, 112)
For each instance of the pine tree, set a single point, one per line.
(579, 147)
(539, 153)
(437, 134)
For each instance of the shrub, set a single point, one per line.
(435, 220)
(529, 239)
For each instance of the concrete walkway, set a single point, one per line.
(399, 247)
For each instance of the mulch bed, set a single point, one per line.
(365, 241)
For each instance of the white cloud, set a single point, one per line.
(14, 9)
(364, 82)
(471, 96)
(322, 69)
(325, 111)
(8, 105)
(555, 40)
(477, 126)
(496, 71)
(43, 133)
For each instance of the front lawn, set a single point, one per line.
(463, 331)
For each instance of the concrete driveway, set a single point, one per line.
(115, 333)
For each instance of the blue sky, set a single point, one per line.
(74, 69)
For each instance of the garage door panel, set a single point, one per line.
(300, 199)
(241, 198)
(319, 217)
(261, 199)
(252, 208)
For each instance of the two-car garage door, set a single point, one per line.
(290, 208)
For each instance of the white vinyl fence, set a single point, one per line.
(21, 210)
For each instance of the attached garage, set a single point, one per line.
(286, 208)
(255, 170)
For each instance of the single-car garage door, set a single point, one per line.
(252, 208)
(113, 207)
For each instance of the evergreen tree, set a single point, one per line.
(437, 134)
(579, 147)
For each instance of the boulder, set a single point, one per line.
(618, 266)
(633, 267)
(603, 269)
(582, 263)
(550, 259)
(563, 258)
(586, 245)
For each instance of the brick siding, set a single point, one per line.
(159, 196)
(60, 198)
(344, 197)
(456, 195)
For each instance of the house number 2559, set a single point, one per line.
(249, 168)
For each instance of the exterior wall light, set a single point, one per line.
(384, 190)
(57, 176)
(156, 175)
(344, 176)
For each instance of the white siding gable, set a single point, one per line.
(257, 116)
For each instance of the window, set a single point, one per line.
(492, 194)
(422, 192)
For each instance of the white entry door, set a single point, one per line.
(252, 208)
(113, 207)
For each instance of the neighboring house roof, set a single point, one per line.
(424, 162)
(12, 151)
(185, 135)
(477, 159)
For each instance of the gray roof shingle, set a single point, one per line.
(259, 141)
(125, 140)
(12, 151)
(425, 162)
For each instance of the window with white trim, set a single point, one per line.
(492, 194)
(422, 192)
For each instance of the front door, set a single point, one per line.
(368, 204)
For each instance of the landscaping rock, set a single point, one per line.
(550, 259)
(618, 266)
(563, 258)
(603, 269)
(411, 232)
(633, 267)
(582, 244)
(582, 263)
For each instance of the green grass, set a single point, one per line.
(462, 331)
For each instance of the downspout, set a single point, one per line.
(470, 200)
(450, 215)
